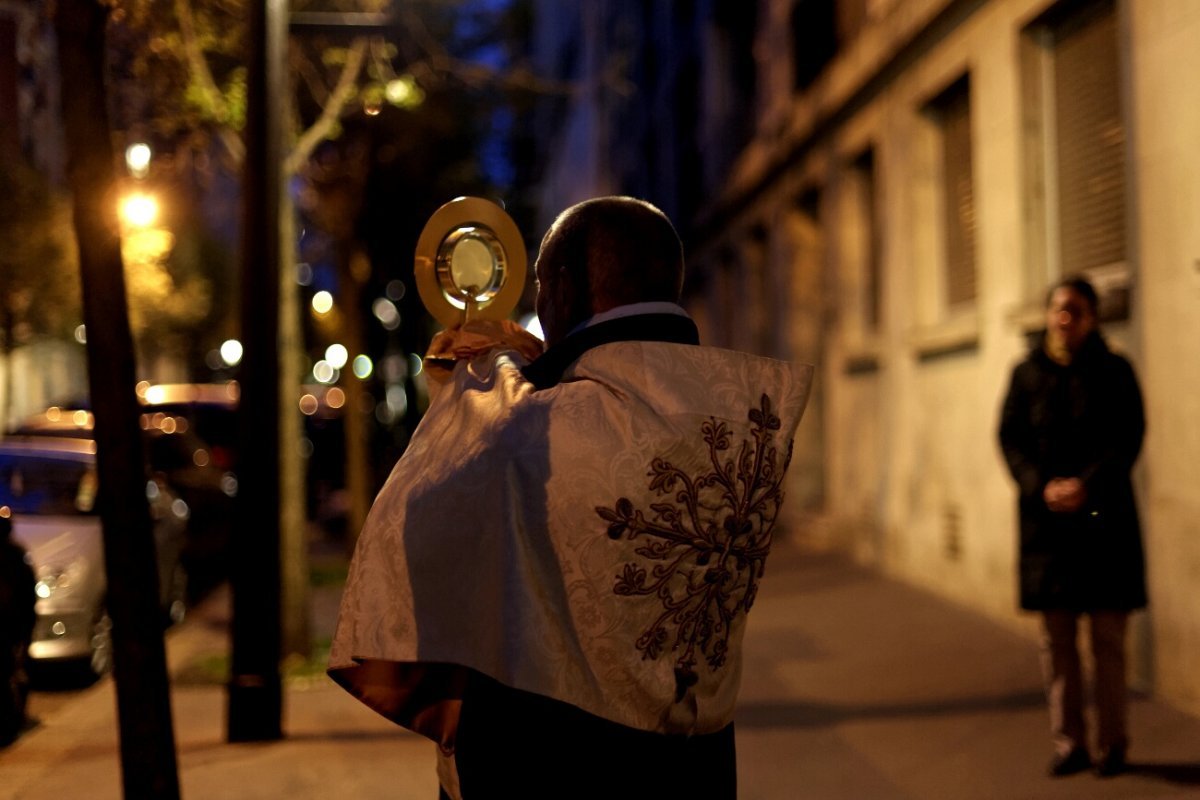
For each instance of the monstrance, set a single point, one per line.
(470, 262)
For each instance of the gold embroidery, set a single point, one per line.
(710, 543)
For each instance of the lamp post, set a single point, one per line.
(255, 691)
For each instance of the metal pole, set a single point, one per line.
(255, 690)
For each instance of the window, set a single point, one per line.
(9, 70)
(951, 112)
(1075, 150)
(866, 247)
(814, 39)
(856, 254)
(763, 321)
(940, 185)
(1091, 137)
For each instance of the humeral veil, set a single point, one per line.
(599, 542)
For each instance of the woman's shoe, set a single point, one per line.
(1070, 763)
(1112, 763)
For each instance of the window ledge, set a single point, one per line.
(862, 359)
(1113, 284)
(1029, 317)
(955, 335)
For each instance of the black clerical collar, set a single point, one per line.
(547, 370)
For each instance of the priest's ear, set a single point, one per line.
(563, 301)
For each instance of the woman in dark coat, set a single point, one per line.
(1071, 429)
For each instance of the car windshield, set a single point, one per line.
(33, 485)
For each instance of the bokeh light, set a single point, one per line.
(337, 355)
(363, 367)
(322, 302)
(139, 210)
(137, 158)
(308, 405)
(324, 372)
(231, 352)
(404, 92)
(385, 311)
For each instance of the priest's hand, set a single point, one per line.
(476, 338)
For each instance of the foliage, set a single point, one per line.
(39, 268)
(388, 120)
(183, 62)
(160, 299)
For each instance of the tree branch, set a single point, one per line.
(201, 74)
(346, 86)
(203, 78)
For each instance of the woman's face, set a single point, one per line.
(1069, 319)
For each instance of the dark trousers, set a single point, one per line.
(516, 744)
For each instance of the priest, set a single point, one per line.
(554, 582)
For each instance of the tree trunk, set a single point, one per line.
(354, 416)
(148, 764)
(297, 629)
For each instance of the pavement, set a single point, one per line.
(854, 686)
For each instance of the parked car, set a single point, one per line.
(49, 485)
(196, 469)
(204, 425)
(209, 408)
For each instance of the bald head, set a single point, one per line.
(605, 253)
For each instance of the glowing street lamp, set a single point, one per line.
(139, 210)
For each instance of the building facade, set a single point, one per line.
(886, 188)
(897, 220)
(34, 371)
(657, 107)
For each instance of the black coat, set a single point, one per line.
(1083, 420)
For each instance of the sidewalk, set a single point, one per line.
(854, 687)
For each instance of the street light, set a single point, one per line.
(139, 210)
(143, 241)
